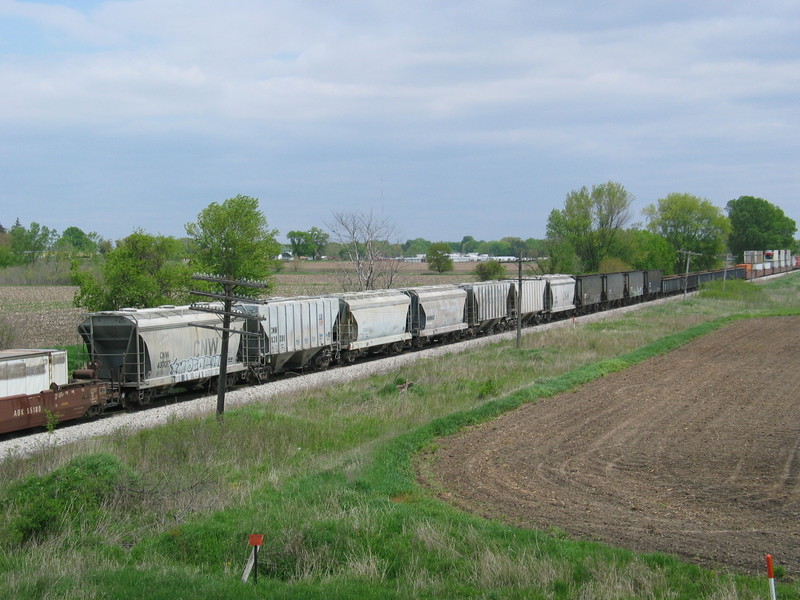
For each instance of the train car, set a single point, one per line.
(530, 304)
(652, 283)
(706, 276)
(371, 321)
(490, 305)
(31, 371)
(436, 312)
(739, 272)
(57, 404)
(613, 289)
(35, 390)
(635, 286)
(146, 352)
(588, 293)
(288, 334)
(560, 296)
(747, 269)
(672, 284)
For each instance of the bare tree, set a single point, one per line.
(364, 239)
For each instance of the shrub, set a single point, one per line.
(43, 504)
(491, 269)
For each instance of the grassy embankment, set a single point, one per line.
(327, 476)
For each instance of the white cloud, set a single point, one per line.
(617, 86)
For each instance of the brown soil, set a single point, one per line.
(693, 453)
(38, 316)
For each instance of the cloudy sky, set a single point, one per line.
(450, 118)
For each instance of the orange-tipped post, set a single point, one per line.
(771, 576)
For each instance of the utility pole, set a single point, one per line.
(519, 301)
(686, 277)
(520, 260)
(228, 298)
(728, 258)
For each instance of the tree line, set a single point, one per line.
(593, 232)
(20, 245)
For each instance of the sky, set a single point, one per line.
(446, 118)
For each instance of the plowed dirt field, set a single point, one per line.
(694, 453)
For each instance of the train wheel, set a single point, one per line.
(93, 411)
(322, 361)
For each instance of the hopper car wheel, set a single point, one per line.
(230, 381)
(322, 361)
(93, 411)
(258, 376)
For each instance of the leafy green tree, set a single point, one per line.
(301, 243)
(332, 250)
(309, 243)
(74, 241)
(692, 224)
(614, 264)
(498, 248)
(516, 246)
(438, 257)
(758, 225)
(28, 244)
(536, 247)
(468, 244)
(643, 249)
(591, 221)
(319, 239)
(142, 271)
(559, 257)
(6, 255)
(416, 246)
(490, 269)
(233, 239)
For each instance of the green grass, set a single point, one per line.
(328, 476)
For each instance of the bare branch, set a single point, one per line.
(365, 241)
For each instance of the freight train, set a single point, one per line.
(138, 355)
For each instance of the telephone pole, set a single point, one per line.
(228, 313)
(520, 260)
(688, 254)
(519, 301)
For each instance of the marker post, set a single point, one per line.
(771, 576)
(256, 541)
